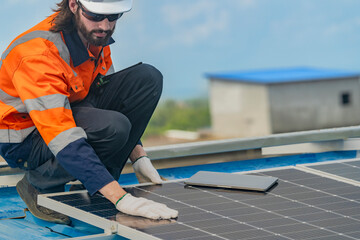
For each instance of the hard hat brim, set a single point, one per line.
(107, 7)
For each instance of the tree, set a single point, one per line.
(189, 115)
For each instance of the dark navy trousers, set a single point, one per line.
(121, 103)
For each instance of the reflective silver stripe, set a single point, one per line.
(47, 102)
(14, 136)
(52, 37)
(12, 101)
(66, 137)
(111, 70)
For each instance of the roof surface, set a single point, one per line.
(282, 75)
(12, 207)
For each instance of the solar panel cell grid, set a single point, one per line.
(342, 190)
(301, 206)
(334, 237)
(354, 234)
(182, 234)
(310, 234)
(207, 237)
(354, 163)
(344, 228)
(349, 170)
(248, 234)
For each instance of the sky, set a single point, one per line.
(188, 38)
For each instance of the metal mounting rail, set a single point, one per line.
(237, 144)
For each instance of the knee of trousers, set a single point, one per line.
(112, 133)
(152, 78)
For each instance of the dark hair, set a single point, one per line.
(64, 21)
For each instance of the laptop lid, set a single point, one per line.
(232, 181)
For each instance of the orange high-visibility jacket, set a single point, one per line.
(40, 75)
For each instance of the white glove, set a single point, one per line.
(145, 171)
(145, 208)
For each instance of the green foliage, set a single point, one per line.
(188, 115)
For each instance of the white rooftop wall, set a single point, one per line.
(239, 111)
(314, 105)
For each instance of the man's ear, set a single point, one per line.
(73, 6)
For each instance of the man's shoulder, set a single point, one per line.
(37, 40)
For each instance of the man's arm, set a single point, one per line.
(135, 206)
(137, 152)
(112, 191)
(143, 168)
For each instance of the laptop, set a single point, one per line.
(232, 181)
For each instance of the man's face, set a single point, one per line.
(95, 33)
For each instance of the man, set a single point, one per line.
(66, 115)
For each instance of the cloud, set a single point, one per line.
(16, 2)
(195, 22)
(246, 4)
(347, 26)
(302, 26)
(180, 13)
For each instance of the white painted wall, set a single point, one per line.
(239, 110)
(244, 110)
(313, 105)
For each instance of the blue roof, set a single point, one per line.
(282, 75)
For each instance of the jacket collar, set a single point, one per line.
(78, 52)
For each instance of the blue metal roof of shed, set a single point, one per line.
(282, 75)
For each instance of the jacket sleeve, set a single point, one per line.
(41, 84)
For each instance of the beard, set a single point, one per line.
(89, 35)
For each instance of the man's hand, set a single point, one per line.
(145, 171)
(141, 222)
(145, 208)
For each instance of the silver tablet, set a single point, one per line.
(232, 181)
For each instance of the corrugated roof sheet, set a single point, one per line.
(282, 75)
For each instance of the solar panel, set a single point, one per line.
(302, 206)
(349, 169)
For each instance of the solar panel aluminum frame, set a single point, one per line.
(306, 168)
(102, 236)
(110, 227)
(237, 144)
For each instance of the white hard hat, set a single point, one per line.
(107, 6)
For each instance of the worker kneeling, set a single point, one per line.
(67, 115)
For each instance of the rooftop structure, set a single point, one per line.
(317, 195)
(262, 102)
(283, 75)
